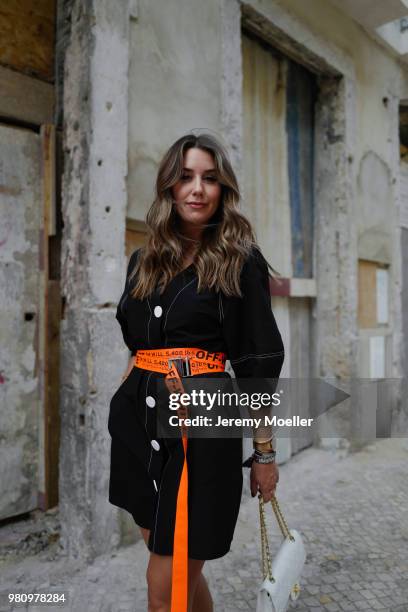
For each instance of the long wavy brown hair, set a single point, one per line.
(226, 240)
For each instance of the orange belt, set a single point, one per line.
(176, 362)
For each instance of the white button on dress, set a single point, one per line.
(150, 401)
(158, 311)
(155, 445)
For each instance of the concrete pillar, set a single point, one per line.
(336, 252)
(94, 202)
(231, 82)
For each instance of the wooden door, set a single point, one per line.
(278, 198)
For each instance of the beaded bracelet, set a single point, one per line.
(260, 457)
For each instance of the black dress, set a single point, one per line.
(145, 469)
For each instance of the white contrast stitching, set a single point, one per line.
(220, 307)
(253, 356)
(158, 502)
(151, 448)
(150, 459)
(182, 289)
(147, 384)
(148, 323)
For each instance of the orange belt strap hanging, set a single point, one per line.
(179, 590)
(200, 362)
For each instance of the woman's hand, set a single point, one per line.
(129, 368)
(264, 478)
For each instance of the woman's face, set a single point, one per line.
(197, 193)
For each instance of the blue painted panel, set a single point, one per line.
(301, 95)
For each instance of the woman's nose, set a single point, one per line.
(197, 185)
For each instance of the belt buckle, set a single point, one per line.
(182, 365)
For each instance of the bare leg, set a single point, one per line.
(202, 601)
(145, 533)
(159, 583)
(158, 577)
(159, 573)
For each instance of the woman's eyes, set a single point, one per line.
(188, 177)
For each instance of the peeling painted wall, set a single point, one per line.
(375, 210)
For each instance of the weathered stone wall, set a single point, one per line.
(94, 209)
(174, 85)
(357, 122)
(20, 317)
(63, 26)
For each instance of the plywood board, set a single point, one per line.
(25, 98)
(136, 235)
(367, 294)
(49, 177)
(53, 418)
(265, 186)
(50, 315)
(27, 37)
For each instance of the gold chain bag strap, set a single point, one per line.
(281, 575)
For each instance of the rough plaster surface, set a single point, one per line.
(94, 209)
(294, 36)
(375, 219)
(357, 166)
(20, 209)
(231, 81)
(336, 264)
(174, 85)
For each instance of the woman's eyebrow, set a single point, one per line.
(191, 170)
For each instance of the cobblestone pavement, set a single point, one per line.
(352, 511)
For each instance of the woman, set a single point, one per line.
(199, 282)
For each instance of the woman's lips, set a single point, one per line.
(196, 204)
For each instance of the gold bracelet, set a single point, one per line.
(264, 447)
(266, 444)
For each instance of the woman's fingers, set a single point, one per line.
(253, 483)
(268, 493)
(264, 478)
(267, 490)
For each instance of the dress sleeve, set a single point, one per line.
(252, 338)
(253, 341)
(121, 310)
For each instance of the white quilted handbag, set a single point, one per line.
(281, 576)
